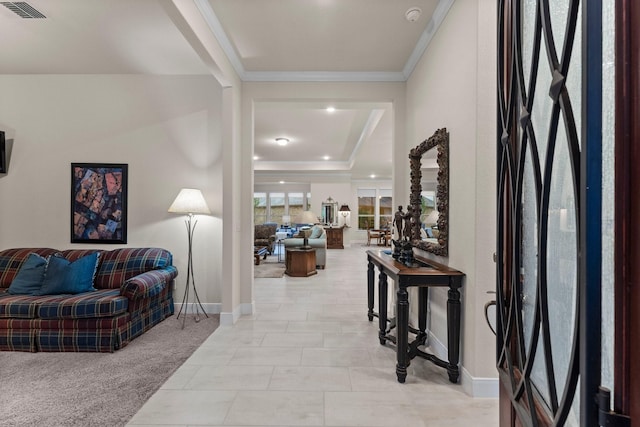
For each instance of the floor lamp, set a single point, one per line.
(190, 201)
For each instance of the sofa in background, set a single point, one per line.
(134, 291)
(265, 235)
(317, 240)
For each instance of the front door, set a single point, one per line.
(563, 233)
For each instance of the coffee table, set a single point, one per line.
(259, 251)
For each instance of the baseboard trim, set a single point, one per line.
(472, 386)
(230, 318)
(479, 387)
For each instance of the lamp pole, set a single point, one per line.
(190, 279)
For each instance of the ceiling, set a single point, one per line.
(265, 40)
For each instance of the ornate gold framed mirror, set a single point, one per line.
(430, 230)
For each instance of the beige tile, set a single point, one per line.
(264, 325)
(350, 340)
(212, 355)
(240, 339)
(310, 378)
(335, 357)
(308, 307)
(180, 377)
(373, 379)
(346, 308)
(223, 378)
(282, 315)
(263, 307)
(277, 408)
(267, 356)
(336, 316)
(318, 299)
(311, 326)
(293, 340)
(185, 407)
(370, 409)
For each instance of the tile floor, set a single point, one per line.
(309, 357)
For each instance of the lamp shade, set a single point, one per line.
(306, 217)
(189, 201)
(345, 208)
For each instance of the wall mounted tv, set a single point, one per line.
(3, 153)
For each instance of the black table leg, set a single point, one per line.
(453, 333)
(370, 290)
(382, 306)
(423, 298)
(402, 343)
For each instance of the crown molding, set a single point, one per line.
(216, 28)
(323, 76)
(432, 28)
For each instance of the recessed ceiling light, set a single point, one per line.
(326, 157)
(256, 158)
(282, 141)
(413, 14)
(331, 109)
(281, 182)
(372, 176)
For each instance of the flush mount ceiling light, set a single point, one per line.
(282, 141)
(413, 14)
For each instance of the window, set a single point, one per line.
(276, 207)
(375, 208)
(271, 207)
(259, 208)
(296, 205)
(385, 208)
(366, 209)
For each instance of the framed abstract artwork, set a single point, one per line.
(98, 203)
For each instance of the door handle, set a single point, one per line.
(486, 311)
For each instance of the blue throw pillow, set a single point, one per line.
(64, 277)
(316, 232)
(29, 278)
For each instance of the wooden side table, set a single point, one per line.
(334, 237)
(300, 262)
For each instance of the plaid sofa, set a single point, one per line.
(134, 292)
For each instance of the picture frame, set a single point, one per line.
(99, 202)
(3, 153)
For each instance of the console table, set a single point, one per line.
(424, 274)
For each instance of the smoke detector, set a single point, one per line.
(413, 14)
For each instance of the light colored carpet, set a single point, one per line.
(269, 268)
(95, 389)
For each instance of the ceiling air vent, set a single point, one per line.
(22, 9)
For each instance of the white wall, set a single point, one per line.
(453, 86)
(167, 129)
